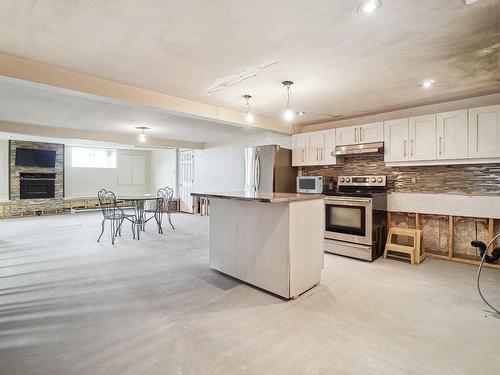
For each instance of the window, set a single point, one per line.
(83, 157)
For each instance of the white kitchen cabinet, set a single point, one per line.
(452, 135)
(396, 136)
(484, 132)
(299, 149)
(369, 133)
(314, 148)
(346, 136)
(329, 157)
(421, 138)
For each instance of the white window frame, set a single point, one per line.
(91, 160)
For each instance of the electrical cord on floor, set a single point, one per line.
(479, 273)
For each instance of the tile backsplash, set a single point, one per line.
(476, 179)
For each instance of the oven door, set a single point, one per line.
(349, 219)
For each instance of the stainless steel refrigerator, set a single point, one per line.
(269, 169)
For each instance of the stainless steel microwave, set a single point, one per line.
(310, 184)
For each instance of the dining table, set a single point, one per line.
(139, 204)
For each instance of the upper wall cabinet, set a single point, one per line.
(346, 136)
(410, 139)
(396, 136)
(315, 148)
(452, 133)
(299, 149)
(484, 132)
(445, 138)
(366, 133)
(373, 132)
(422, 138)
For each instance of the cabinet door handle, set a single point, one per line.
(411, 147)
(404, 148)
(317, 154)
(477, 136)
(440, 141)
(360, 134)
(355, 135)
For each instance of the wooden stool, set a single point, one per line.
(413, 251)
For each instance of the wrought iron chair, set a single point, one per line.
(112, 212)
(162, 206)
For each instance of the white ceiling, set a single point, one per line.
(342, 63)
(31, 103)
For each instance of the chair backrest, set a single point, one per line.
(165, 196)
(107, 202)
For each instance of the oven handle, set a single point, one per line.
(347, 200)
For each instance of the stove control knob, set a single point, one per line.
(379, 180)
(373, 179)
(347, 179)
(342, 179)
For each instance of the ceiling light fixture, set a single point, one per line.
(301, 113)
(288, 114)
(142, 133)
(249, 117)
(428, 83)
(369, 6)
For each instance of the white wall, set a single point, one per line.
(454, 105)
(220, 167)
(85, 182)
(163, 169)
(4, 170)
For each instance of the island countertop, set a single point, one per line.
(260, 196)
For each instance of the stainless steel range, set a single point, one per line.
(356, 217)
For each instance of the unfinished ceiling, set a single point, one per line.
(342, 63)
(29, 103)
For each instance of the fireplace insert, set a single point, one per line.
(37, 185)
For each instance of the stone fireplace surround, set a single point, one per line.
(20, 206)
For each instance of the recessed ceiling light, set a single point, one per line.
(369, 6)
(301, 113)
(428, 83)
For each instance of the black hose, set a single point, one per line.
(479, 273)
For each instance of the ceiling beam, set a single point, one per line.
(77, 134)
(27, 70)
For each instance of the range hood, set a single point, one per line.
(364, 148)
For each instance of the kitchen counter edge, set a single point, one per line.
(261, 197)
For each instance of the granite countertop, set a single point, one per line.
(261, 197)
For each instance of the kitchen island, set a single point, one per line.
(273, 241)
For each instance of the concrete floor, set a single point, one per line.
(70, 305)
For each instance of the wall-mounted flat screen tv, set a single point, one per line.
(28, 157)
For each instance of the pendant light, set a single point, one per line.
(142, 133)
(288, 115)
(249, 116)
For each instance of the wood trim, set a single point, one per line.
(450, 237)
(461, 260)
(9, 161)
(452, 220)
(491, 234)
